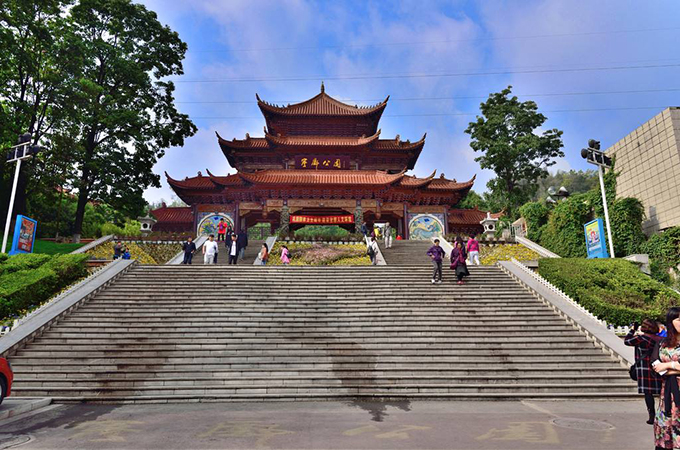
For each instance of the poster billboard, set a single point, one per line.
(24, 235)
(595, 241)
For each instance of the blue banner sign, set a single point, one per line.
(595, 241)
(24, 235)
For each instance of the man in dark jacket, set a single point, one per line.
(189, 248)
(242, 242)
(437, 254)
(233, 249)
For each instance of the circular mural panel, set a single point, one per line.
(425, 227)
(208, 224)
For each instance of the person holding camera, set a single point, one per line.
(644, 339)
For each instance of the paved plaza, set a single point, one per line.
(276, 425)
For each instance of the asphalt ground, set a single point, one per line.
(466, 425)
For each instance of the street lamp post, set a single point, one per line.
(595, 156)
(23, 150)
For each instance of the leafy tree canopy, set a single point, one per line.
(506, 135)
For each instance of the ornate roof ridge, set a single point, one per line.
(322, 104)
(321, 140)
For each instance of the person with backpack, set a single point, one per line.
(644, 339)
(372, 250)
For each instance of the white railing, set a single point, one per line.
(542, 251)
(558, 291)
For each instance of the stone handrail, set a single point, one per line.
(40, 320)
(93, 244)
(179, 257)
(596, 329)
(542, 251)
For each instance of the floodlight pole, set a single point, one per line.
(18, 160)
(600, 172)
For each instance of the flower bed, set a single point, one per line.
(489, 256)
(321, 254)
(143, 252)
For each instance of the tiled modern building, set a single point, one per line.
(648, 160)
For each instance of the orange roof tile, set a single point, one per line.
(306, 177)
(321, 104)
(448, 185)
(199, 182)
(468, 216)
(319, 141)
(182, 214)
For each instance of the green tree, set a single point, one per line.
(576, 182)
(506, 136)
(36, 78)
(472, 200)
(127, 115)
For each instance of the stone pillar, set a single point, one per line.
(358, 218)
(285, 220)
(405, 221)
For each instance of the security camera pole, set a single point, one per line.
(23, 150)
(594, 155)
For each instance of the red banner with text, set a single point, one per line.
(322, 220)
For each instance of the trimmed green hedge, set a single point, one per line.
(612, 289)
(30, 279)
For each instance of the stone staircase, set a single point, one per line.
(218, 333)
(406, 253)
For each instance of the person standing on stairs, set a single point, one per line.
(221, 230)
(233, 250)
(242, 242)
(458, 257)
(285, 255)
(473, 250)
(372, 250)
(189, 248)
(644, 340)
(263, 255)
(210, 250)
(388, 235)
(437, 254)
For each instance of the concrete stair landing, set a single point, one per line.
(220, 333)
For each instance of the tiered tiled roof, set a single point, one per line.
(174, 215)
(469, 216)
(322, 177)
(321, 104)
(321, 141)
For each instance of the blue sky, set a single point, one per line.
(436, 59)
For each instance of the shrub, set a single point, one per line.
(563, 233)
(664, 252)
(109, 228)
(536, 215)
(23, 261)
(35, 283)
(626, 216)
(614, 290)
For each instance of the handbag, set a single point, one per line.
(632, 372)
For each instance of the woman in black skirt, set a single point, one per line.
(458, 257)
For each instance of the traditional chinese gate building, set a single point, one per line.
(321, 162)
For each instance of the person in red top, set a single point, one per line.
(473, 250)
(221, 230)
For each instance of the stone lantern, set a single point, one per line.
(490, 225)
(146, 224)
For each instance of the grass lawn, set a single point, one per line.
(49, 247)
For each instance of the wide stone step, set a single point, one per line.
(278, 353)
(346, 388)
(300, 381)
(50, 373)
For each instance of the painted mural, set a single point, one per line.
(207, 222)
(425, 226)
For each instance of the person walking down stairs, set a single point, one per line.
(437, 254)
(372, 250)
(189, 248)
(210, 250)
(232, 248)
(284, 255)
(644, 340)
(242, 241)
(264, 255)
(458, 257)
(388, 235)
